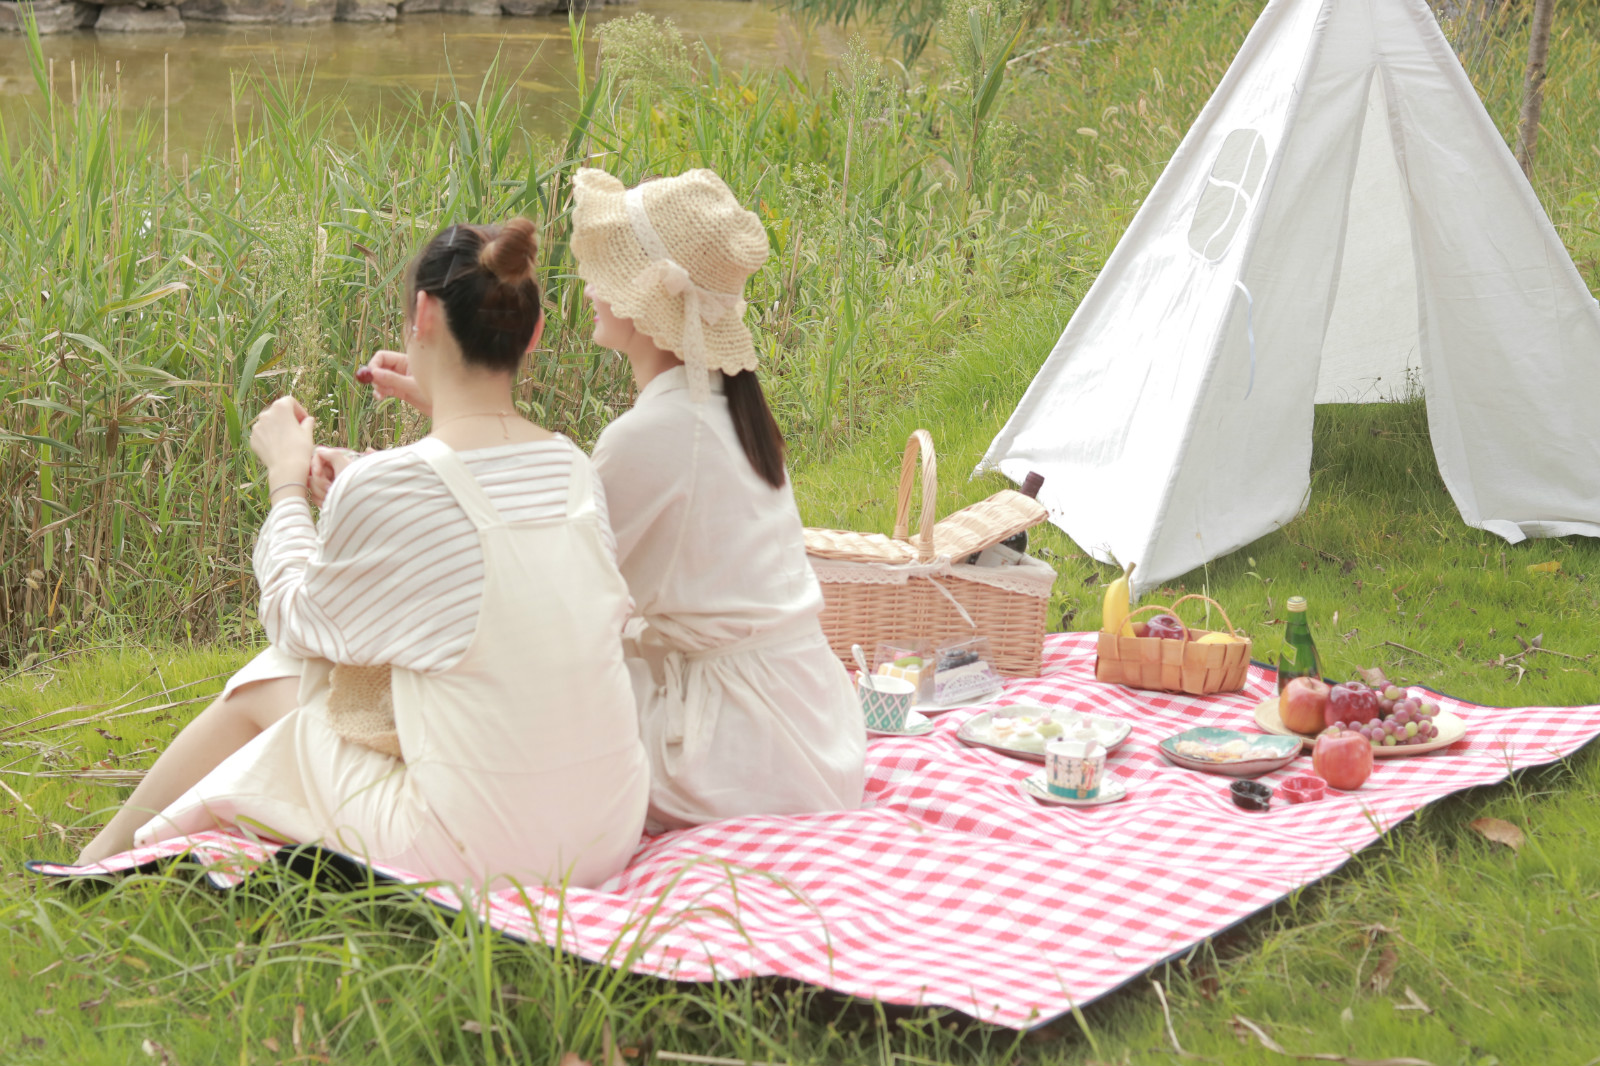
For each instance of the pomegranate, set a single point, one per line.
(1351, 703)
(1167, 627)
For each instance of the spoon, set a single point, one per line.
(861, 663)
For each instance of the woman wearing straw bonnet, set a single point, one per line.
(462, 709)
(742, 706)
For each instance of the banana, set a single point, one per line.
(1116, 605)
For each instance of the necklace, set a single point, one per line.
(505, 431)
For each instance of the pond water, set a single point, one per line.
(371, 65)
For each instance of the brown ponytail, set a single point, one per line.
(484, 277)
(755, 427)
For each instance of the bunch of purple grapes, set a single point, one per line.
(1404, 720)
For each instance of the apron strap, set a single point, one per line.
(460, 482)
(580, 485)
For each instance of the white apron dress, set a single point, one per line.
(522, 761)
(743, 707)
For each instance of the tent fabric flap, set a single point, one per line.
(1343, 222)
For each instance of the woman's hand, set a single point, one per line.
(326, 465)
(281, 439)
(391, 376)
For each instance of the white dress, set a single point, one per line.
(522, 756)
(742, 706)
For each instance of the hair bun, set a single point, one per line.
(509, 255)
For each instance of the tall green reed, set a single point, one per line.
(150, 310)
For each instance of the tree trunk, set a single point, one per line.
(1533, 85)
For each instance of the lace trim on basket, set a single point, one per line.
(1031, 577)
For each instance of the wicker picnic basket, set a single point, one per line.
(878, 588)
(1175, 665)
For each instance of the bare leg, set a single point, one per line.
(216, 733)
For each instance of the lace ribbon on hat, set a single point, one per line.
(701, 306)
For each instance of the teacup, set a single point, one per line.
(885, 702)
(1074, 768)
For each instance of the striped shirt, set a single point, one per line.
(393, 572)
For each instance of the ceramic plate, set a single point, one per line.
(1263, 754)
(1451, 729)
(974, 732)
(1035, 787)
(916, 726)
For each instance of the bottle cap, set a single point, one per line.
(1297, 603)
(1031, 484)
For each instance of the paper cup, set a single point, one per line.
(885, 702)
(1074, 768)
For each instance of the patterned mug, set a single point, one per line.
(885, 702)
(1073, 768)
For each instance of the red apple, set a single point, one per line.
(1342, 758)
(1303, 704)
(1167, 627)
(1352, 703)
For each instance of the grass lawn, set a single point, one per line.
(1502, 948)
(1436, 944)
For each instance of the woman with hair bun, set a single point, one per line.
(445, 691)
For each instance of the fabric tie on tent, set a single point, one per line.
(952, 889)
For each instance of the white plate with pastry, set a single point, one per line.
(1022, 730)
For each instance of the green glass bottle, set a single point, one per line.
(1299, 655)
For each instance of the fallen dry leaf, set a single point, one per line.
(157, 1052)
(271, 1044)
(1414, 1004)
(1552, 567)
(609, 1056)
(1373, 676)
(1387, 961)
(1500, 832)
(1241, 1023)
(609, 1053)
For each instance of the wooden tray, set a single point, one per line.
(1451, 729)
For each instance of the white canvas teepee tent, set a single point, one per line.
(1342, 223)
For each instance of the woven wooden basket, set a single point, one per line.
(1175, 665)
(878, 588)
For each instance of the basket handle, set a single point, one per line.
(919, 441)
(1159, 607)
(1200, 596)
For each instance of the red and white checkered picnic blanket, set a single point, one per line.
(951, 888)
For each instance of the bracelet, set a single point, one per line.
(291, 485)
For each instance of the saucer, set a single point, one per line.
(1034, 787)
(916, 726)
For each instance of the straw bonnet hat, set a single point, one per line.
(672, 255)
